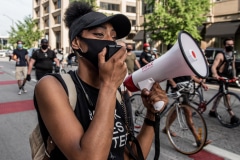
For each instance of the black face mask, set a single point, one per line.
(44, 47)
(95, 46)
(229, 48)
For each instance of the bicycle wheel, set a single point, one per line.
(191, 130)
(138, 110)
(223, 114)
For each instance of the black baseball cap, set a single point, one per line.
(120, 23)
(44, 41)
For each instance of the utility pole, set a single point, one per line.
(144, 20)
(10, 19)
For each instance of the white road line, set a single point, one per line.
(221, 152)
(34, 80)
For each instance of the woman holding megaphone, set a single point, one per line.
(99, 126)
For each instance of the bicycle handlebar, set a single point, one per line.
(225, 79)
(185, 86)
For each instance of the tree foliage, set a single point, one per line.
(171, 16)
(26, 31)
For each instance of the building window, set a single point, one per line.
(131, 9)
(37, 13)
(38, 25)
(57, 4)
(109, 6)
(46, 9)
(133, 22)
(37, 2)
(46, 23)
(57, 19)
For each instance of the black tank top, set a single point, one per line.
(84, 113)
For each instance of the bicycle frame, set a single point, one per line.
(169, 106)
(223, 89)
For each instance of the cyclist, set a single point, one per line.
(173, 82)
(224, 66)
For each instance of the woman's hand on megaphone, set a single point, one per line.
(153, 96)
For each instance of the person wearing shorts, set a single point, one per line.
(20, 55)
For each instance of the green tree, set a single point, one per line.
(171, 16)
(26, 31)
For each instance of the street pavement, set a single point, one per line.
(18, 118)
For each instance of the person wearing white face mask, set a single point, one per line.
(146, 55)
(20, 55)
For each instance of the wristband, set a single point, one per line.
(149, 122)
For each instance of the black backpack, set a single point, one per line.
(228, 68)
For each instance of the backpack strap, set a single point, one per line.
(72, 93)
(224, 58)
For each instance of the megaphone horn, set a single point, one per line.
(183, 59)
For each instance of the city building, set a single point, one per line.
(223, 21)
(50, 13)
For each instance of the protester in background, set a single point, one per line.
(98, 128)
(70, 58)
(43, 59)
(10, 55)
(131, 61)
(55, 51)
(224, 66)
(146, 55)
(154, 54)
(20, 55)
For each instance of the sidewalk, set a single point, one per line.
(17, 119)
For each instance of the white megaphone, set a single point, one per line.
(185, 58)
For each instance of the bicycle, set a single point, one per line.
(227, 103)
(190, 128)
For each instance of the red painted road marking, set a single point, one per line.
(8, 82)
(203, 154)
(19, 106)
(1, 72)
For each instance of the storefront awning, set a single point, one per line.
(140, 35)
(222, 29)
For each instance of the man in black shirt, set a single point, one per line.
(20, 55)
(146, 55)
(43, 59)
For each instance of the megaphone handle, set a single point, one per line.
(148, 83)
